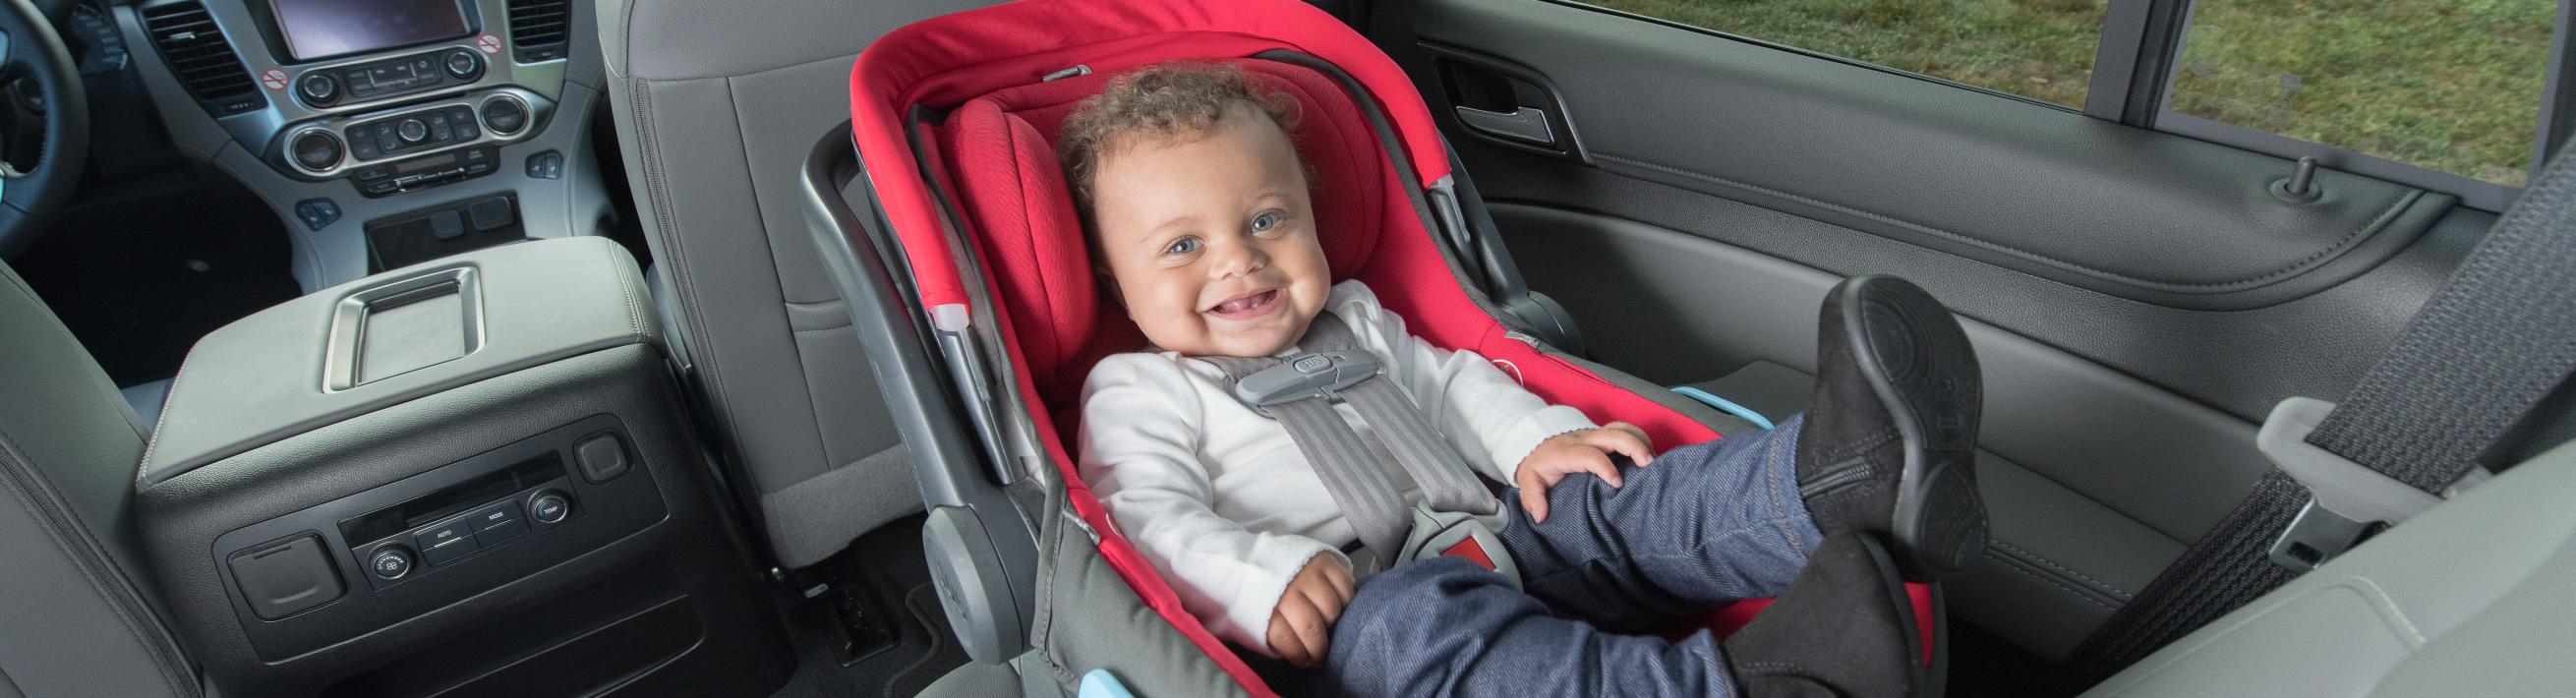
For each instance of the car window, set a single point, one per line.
(2041, 49)
(2450, 85)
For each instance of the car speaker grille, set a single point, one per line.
(538, 29)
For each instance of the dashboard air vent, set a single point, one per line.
(538, 29)
(201, 58)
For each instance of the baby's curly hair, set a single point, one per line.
(1172, 101)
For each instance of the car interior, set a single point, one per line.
(523, 347)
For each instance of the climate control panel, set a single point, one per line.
(359, 146)
(390, 77)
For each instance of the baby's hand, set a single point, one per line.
(1301, 625)
(1585, 451)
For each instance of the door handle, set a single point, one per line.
(1525, 124)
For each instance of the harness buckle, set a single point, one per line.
(1461, 535)
(1314, 375)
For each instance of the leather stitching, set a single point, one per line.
(2404, 199)
(95, 565)
(823, 329)
(634, 312)
(2059, 584)
(143, 468)
(2034, 557)
(683, 279)
(813, 408)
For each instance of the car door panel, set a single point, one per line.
(2139, 300)
(2094, 479)
(2034, 188)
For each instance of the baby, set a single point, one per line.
(1200, 220)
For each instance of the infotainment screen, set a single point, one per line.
(325, 28)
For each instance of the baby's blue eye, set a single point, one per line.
(1267, 220)
(1183, 246)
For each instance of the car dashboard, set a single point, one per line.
(385, 132)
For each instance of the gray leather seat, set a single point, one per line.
(2473, 598)
(716, 104)
(81, 619)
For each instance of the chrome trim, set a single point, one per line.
(260, 129)
(527, 112)
(277, 18)
(538, 109)
(437, 53)
(286, 149)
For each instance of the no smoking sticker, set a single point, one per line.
(273, 79)
(488, 44)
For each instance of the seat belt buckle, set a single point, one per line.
(2316, 535)
(2345, 498)
(1461, 535)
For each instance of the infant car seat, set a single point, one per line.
(971, 286)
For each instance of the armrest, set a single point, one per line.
(394, 337)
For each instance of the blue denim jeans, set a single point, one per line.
(1704, 525)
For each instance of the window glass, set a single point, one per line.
(2041, 49)
(2451, 85)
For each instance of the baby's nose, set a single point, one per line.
(1237, 258)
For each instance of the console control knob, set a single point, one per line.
(505, 115)
(318, 87)
(462, 64)
(550, 507)
(316, 149)
(390, 562)
(412, 130)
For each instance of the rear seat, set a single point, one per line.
(2474, 598)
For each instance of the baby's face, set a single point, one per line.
(1212, 239)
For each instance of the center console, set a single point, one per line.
(342, 114)
(466, 477)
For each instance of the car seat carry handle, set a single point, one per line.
(1300, 393)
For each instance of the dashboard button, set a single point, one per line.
(316, 149)
(494, 213)
(602, 457)
(546, 165)
(317, 213)
(499, 522)
(390, 563)
(462, 64)
(505, 115)
(550, 507)
(318, 87)
(446, 225)
(445, 542)
(411, 130)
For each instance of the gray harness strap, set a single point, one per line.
(1300, 393)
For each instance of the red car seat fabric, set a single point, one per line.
(992, 152)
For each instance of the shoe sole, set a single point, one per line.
(1925, 374)
(1919, 677)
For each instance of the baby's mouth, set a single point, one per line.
(1246, 306)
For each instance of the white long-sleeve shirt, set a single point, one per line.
(1219, 498)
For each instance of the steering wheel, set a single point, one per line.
(32, 195)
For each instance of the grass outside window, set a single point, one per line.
(2450, 85)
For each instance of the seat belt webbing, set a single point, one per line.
(2491, 342)
(1353, 467)
(2494, 340)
